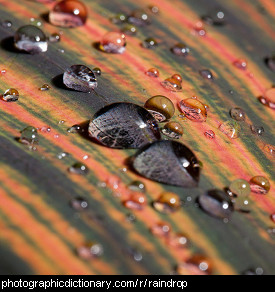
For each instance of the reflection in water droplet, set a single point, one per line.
(78, 168)
(152, 72)
(79, 204)
(139, 18)
(31, 39)
(167, 203)
(149, 43)
(54, 38)
(124, 125)
(237, 114)
(193, 109)
(68, 13)
(257, 130)
(136, 201)
(172, 83)
(180, 49)
(209, 134)
(240, 64)
(113, 42)
(10, 94)
(216, 203)
(90, 250)
(195, 265)
(240, 187)
(259, 185)
(173, 130)
(161, 107)
(161, 229)
(80, 78)
(129, 29)
(206, 74)
(137, 186)
(168, 162)
(44, 87)
(29, 135)
(231, 129)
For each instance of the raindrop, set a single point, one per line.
(253, 272)
(178, 240)
(161, 107)
(237, 114)
(124, 125)
(137, 186)
(79, 204)
(113, 42)
(240, 64)
(74, 129)
(29, 135)
(136, 201)
(193, 109)
(31, 39)
(68, 13)
(206, 74)
(78, 168)
(136, 254)
(55, 37)
(6, 24)
(168, 162)
(269, 98)
(259, 185)
(129, 29)
(80, 78)
(90, 250)
(173, 130)
(195, 265)
(257, 130)
(240, 187)
(216, 17)
(154, 9)
(161, 229)
(62, 155)
(130, 217)
(269, 149)
(119, 18)
(209, 134)
(231, 129)
(149, 43)
(10, 94)
(152, 72)
(139, 18)
(167, 203)
(180, 49)
(173, 83)
(44, 87)
(216, 203)
(35, 22)
(97, 71)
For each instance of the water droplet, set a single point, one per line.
(85, 157)
(139, 18)
(152, 72)
(199, 30)
(206, 74)
(113, 42)
(79, 204)
(231, 129)
(272, 216)
(154, 9)
(6, 24)
(168, 162)
(119, 18)
(161, 229)
(216, 203)
(31, 39)
(78, 168)
(68, 13)
(269, 98)
(178, 240)
(269, 149)
(216, 17)
(97, 71)
(62, 155)
(173, 83)
(136, 254)
(241, 204)
(237, 114)
(136, 201)
(35, 22)
(240, 64)
(253, 272)
(124, 125)
(193, 109)
(90, 250)
(149, 43)
(270, 62)
(29, 135)
(137, 186)
(259, 185)
(257, 130)
(173, 130)
(167, 203)
(61, 51)
(129, 29)
(3, 71)
(45, 129)
(74, 129)
(44, 87)
(55, 37)
(180, 49)
(209, 134)
(195, 265)
(80, 78)
(161, 107)
(130, 217)
(10, 94)
(240, 187)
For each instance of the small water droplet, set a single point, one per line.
(10, 94)
(269, 98)
(199, 30)
(130, 217)
(193, 109)
(154, 9)
(61, 51)
(269, 149)
(253, 272)
(215, 17)
(119, 18)
(129, 29)
(44, 87)
(240, 187)
(257, 130)
(149, 43)
(55, 37)
(167, 203)
(161, 107)
(79, 204)
(161, 229)
(78, 168)
(97, 71)
(6, 24)
(231, 129)
(209, 134)
(237, 114)
(240, 64)
(80, 78)
(74, 129)
(152, 72)
(136, 201)
(173, 130)
(45, 129)
(62, 155)
(206, 74)
(180, 49)
(29, 135)
(61, 122)
(113, 42)
(36, 22)
(136, 254)
(31, 39)
(68, 13)
(272, 216)
(195, 265)
(137, 186)
(270, 62)
(259, 185)
(90, 250)
(178, 240)
(139, 18)
(173, 83)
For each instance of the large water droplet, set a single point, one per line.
(168, 162)
(68, 13)
(31, 39)
(193, 109)
(216, 203)
(80, 78)
(259, 185)
(113, 42)
(10, 94)
(124, 125)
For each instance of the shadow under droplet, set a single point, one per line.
(8, 45)
(96, 45)
(57, 81)
(45, 16)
